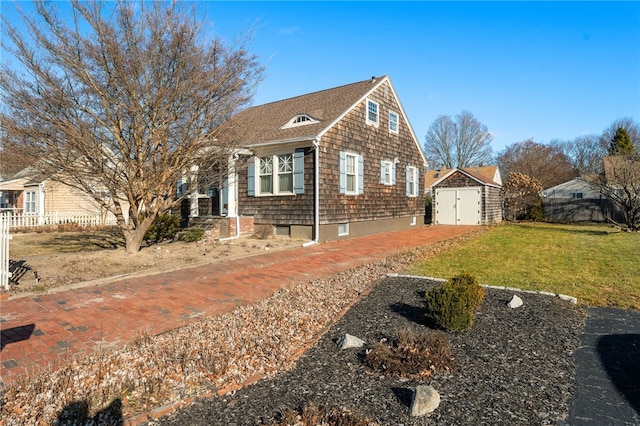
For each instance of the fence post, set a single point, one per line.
(5, 274)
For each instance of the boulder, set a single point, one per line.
(425, 400)
(349, 341)
(515, 302)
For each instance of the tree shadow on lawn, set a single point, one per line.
(620, 356)
(89, 241)
(583, 230)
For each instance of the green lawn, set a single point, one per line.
(596, 264)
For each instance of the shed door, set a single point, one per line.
(458, 206)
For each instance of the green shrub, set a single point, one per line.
(535, 213)
(191, 235)
(164, 227)
(452, 306)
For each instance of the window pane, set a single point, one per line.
(266, 165)
(285, 163)
(266, 184)
(387, 173)
(393, 122)
(351, 183)
(285, 182)
(351, 164)
(372, 111)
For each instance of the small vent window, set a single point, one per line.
(300, 120)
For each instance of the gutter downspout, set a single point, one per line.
(316, 194)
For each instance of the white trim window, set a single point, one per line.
(413, 181)
(299, 120)
(343, 229)
(276, 174)
(351, 173)
(393, 122)
(30, 202)
(373, 112)
(265, 172)
(387, 172)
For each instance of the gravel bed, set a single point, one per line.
(515, 366)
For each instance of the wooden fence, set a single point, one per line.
(581, 210)
(80, 219)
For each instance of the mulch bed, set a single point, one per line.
(515, 366)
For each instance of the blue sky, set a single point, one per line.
(547, 70)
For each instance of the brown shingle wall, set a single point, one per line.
(353, 135)
(458, 180)
(278, 209)
(493, 205)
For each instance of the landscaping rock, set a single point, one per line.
(425, 400)
(515, 302)
(348, 341)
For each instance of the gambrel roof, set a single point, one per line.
(267, 124)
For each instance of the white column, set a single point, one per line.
(232, 188)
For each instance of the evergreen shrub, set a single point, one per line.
(191, 235)
(164, 227)
(452, 306)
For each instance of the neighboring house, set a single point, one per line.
(332, 164)
(589, 199)
(577, 200)
(576, 189)
(30, 193)
(465, 196)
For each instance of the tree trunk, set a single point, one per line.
(133, 240)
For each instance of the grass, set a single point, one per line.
(36, 244)
(596, 264)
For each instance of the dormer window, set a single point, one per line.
(300, 120)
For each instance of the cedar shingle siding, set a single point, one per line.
(278, 209)
(490, 202)
(375, 144)
(339, 126)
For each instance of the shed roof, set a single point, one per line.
(484, 174)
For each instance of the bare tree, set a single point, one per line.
(14, 155)
(620, 182)
(585, 154)
(547, 163)
(464, 142)
(123, 97)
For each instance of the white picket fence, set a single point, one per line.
(81, 219)
(5, 274)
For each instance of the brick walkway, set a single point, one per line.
(48, 329)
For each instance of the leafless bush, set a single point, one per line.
(312, 415)
(412, 354)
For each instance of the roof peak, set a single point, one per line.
(373, 79)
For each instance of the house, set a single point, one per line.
(597, 198)
(465, 196)
(577, 200)
(333, 164)
(30, 193)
